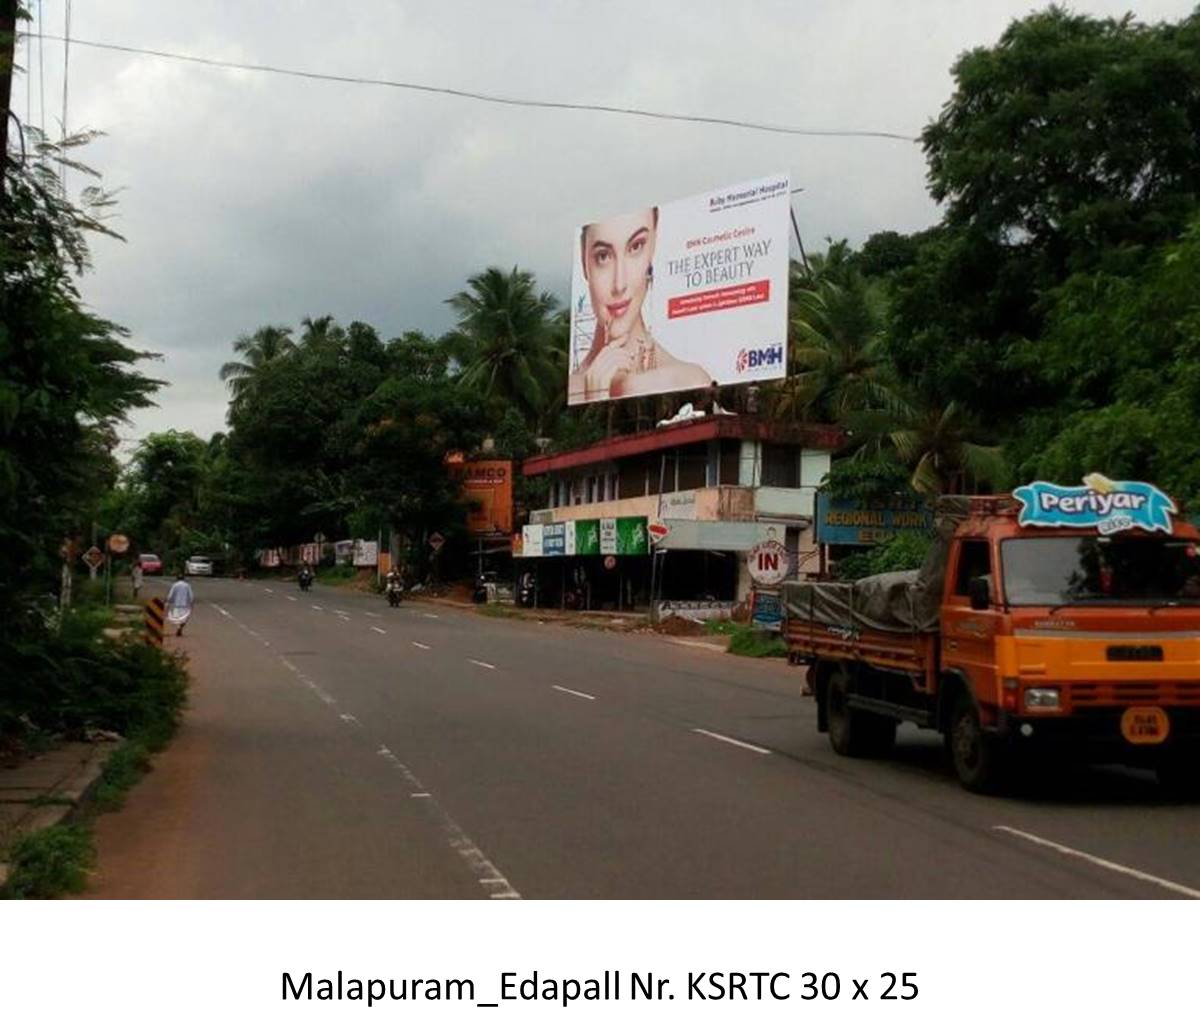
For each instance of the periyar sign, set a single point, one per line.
(675, 296)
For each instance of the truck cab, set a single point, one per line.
(1076, 642)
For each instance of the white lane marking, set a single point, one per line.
(266, 591)
(578, 694)
(482, 665)
(347, 717)
(692, 643)
(429, 615)
(344, 618)
(484, 870)
(732, 741)
(340, 611)
(289, 597)
(373, 615)
(378, 630)
(222, 611)
(1100, 861)
(317, 608)
(423, 647)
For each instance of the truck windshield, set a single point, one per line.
(1058, 570)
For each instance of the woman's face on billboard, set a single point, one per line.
(617, 254)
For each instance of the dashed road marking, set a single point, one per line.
(373, 615)
(732, 741)
(482, 665)
(1100, 861)
(267, 590)
(289, 597)
(423, 647)
(486, 872)
(317, 608)
(578, 694)
(378, 630)
(430, 615)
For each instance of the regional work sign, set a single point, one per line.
(869, 521)
(673, 296)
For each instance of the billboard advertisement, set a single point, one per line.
(487, 487)
(675, 296)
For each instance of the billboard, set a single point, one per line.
(487, 487)
(675, 296)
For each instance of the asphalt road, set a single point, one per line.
(336, 748)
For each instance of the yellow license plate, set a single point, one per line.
(1145, 725)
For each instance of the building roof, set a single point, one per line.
(683, 433)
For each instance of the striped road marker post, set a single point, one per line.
(154, 612)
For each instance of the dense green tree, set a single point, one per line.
(257, 350)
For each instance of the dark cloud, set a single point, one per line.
(249, 199)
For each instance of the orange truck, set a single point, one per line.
(1062, 622)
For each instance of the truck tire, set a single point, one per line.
(853, 732)
(978, 757)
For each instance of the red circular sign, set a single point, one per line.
(610, 562)
(768, 562)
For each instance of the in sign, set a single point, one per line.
(768, 563)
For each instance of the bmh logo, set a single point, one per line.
(751, 359)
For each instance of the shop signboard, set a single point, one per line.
(532, 541)
(608, 535)
(702, 282)
(866, 522)
(587, 536)
(631, 536)
(554, 540)
(487, 489)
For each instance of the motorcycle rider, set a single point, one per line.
(306, 576)
(393, 585)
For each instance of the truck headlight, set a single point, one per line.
(1041, 698)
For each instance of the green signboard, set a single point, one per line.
(587, 536)
(631, 536)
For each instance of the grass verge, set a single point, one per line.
(753, 643)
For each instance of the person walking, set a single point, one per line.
(135, 577)
(179, 603)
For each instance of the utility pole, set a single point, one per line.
(796, 228)
(8, 54)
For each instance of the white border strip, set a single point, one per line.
(732, 741)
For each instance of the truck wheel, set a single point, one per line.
(852, 731)
(977, 756)
(845, 728)
(1179, 777)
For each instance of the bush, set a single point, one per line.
(74, 678)
(756, 643)
(50, 863)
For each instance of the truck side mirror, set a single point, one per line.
(980, 591)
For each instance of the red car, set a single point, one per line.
(151, 564)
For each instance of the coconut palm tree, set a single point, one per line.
(259, 349)
(938, 442)
(508, 331)
(836, 353)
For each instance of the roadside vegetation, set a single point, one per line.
(68, 380)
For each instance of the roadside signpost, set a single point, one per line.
(93, 557)
(436, 541)
(118, 543)
(768, 563)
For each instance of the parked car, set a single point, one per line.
(198, 565)
(151, 564)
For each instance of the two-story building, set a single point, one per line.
(669, 514)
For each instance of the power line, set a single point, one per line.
(472, 95)
(62, 161)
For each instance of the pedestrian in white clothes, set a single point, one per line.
(179, 603)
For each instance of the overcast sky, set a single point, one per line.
(248, 198)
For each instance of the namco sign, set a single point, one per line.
(768, 563)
